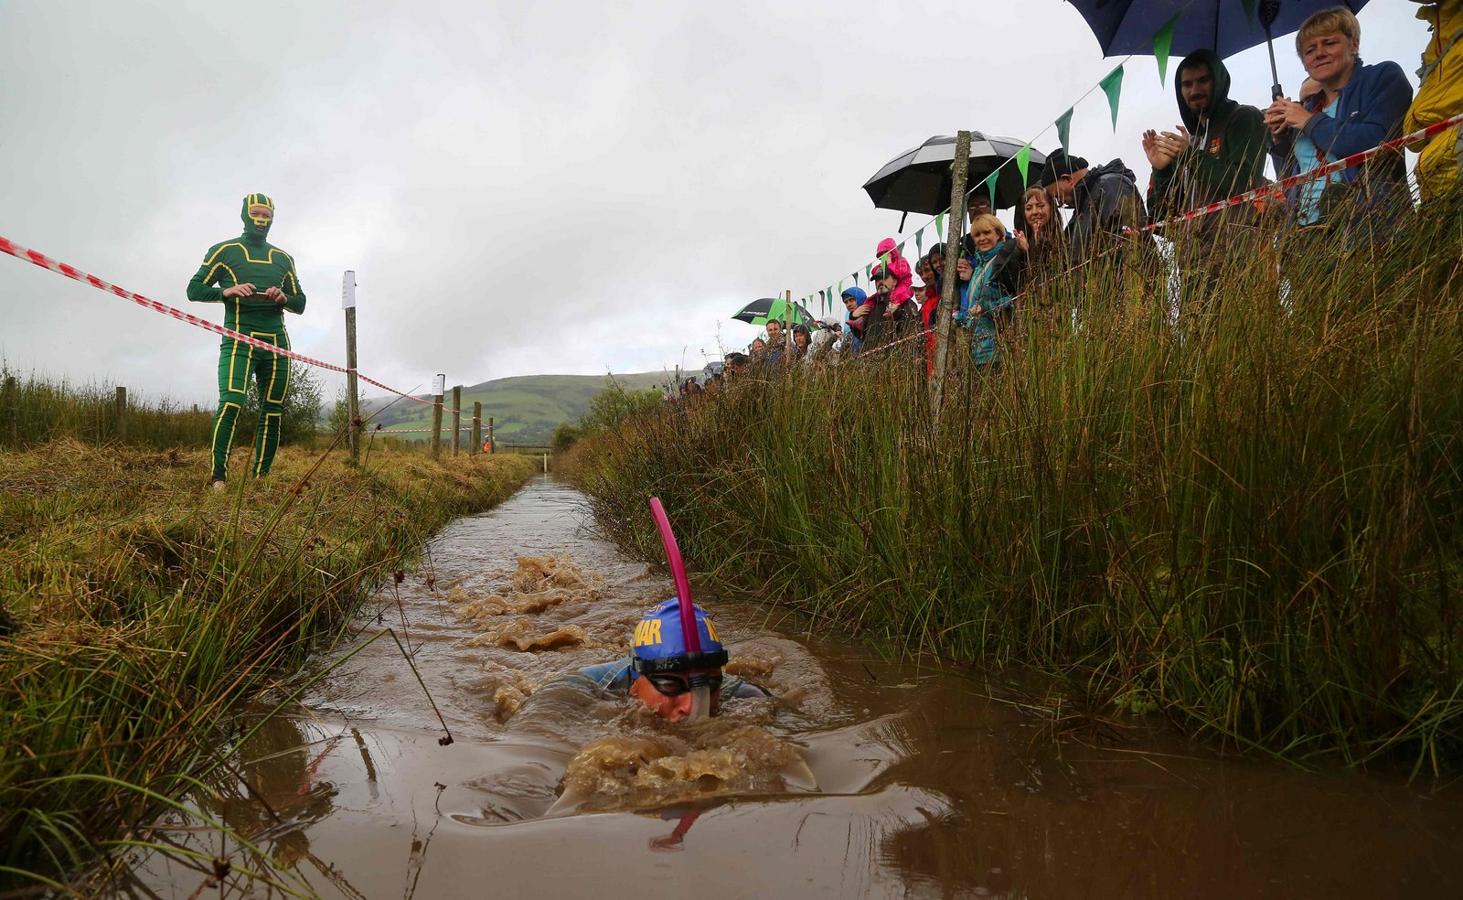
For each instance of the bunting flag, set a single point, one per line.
(884, 261)
(1249, 8)
(1023, 163)
(1162, 43)
(869, 273)
(1064, 129)
(990, 186)
(940, 226)
(1112, 85)
(840, 287)
(919, 241)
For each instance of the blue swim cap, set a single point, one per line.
(659, 646)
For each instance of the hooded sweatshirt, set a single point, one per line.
(1226, 154)
(1106, 201)
(899, 267)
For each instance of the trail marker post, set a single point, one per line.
(439, 384)
(959, 167)
(352, 395)
(477, 429)
(121, 413)
(456, 419)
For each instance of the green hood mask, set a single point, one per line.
(256, 229)
(1220, 106)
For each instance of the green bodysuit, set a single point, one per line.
(249, 259)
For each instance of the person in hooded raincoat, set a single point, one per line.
(1440, 97)
(897, 266)
(257, 284)
(1218, 152)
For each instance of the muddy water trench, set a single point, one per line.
(865, 777)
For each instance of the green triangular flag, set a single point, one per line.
(869, 273)
(919, 241)
(940, 226)
(1064, 129)
(990, 186)
(884, 261)
(1162, 43)
(1023, 162)
(1249, 8)
(1112, 85)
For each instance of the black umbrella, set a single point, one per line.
(1224, 26)
(918, 180)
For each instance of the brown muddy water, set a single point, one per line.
(866, 777)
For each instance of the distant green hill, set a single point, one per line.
(526, 409)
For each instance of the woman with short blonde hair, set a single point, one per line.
(1359, 107)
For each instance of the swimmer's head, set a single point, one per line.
(671, 680)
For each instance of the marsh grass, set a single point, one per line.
(138, 611)
(35, 410)
(1236, 502)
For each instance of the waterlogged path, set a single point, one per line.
(865, 778)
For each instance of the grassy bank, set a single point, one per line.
(137, 610)
(1248, 518)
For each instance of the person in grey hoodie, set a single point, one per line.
(1105, 201)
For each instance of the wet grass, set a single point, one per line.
(1247, 517)
(138, 611)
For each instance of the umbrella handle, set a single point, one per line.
(1269, 10)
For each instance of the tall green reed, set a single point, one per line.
(1234, 497)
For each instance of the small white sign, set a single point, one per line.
(348, 290)
(439, 385)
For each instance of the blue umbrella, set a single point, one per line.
(1224, 26)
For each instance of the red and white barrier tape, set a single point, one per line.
(70, 271)
(1285, 184)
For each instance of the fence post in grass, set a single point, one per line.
(456, 419)
(10, 407)
(439, 384)
(477, 428)
(121, 413)
(959, 167)
(352, 397)
(492, 444)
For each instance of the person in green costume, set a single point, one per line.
(256, 283)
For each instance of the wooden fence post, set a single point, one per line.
(492, 444)
(121, 413)
(437, 386)
(352, 392)
(477, 428)
(10, 406)
(959, 168)
(456, 419)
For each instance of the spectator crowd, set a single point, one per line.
(1080, 212)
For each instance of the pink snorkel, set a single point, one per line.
(688, 613)
(689, 633)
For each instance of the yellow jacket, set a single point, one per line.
(1440, 97)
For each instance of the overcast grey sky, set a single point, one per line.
(522, 188)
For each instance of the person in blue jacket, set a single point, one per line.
(986, 301)
(665, 677)
(1356, 108)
